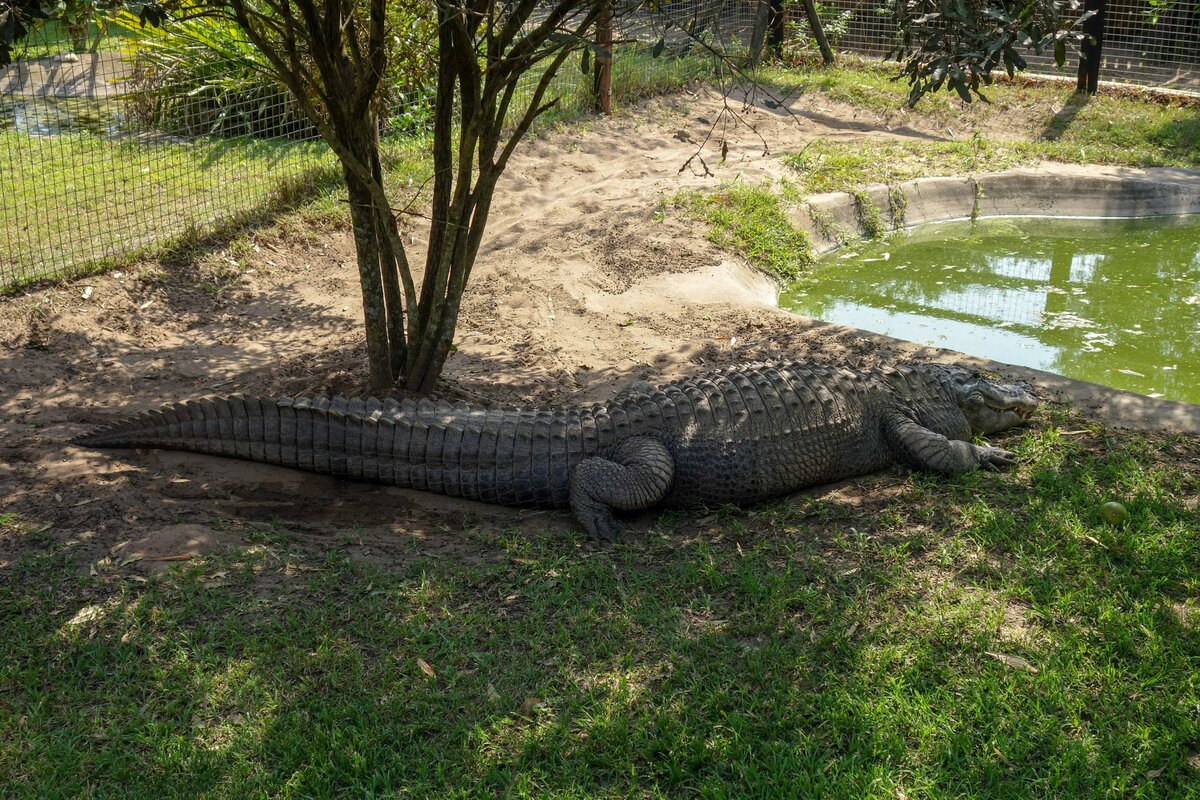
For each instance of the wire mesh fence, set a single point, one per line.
(109, 151)
(117, 139)
(1145, 44)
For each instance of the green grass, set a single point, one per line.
(753, 220)
(115, 198)
(829, 166)
(1040, 121)
(637, 74)
(78, 203)
(51, 39)
(819, 649)
(117, 201)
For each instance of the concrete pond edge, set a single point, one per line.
(1051, 190)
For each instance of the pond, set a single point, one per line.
(1115, 302)
(51, 116)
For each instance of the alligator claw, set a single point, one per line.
(994, 459)
(597, 519)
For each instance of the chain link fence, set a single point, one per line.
(117, 140)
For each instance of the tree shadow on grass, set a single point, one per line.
(810, 649)
(1062, 119)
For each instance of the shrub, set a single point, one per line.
(202, 77)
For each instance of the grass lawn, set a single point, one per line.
(987, 636)
(113, 199)
(78, 202)
(1026, 121)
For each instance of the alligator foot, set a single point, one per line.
(637, 475)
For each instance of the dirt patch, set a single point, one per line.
(588, 282)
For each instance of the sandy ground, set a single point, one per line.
(584, 286)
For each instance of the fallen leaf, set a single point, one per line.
(529, 707)
(1154, 773)
(424, 665)
(85, 615)
(492, 694)
(1016, 662)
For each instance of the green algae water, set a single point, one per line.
(1115, 302)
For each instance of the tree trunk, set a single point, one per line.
(818, 30)
(775, 27)
(78, 31)
(369, 247)
(1088, 79)
(762, 12)
(378, 262)
(604, 40)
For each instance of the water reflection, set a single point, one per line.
(1116, 302)
(51, 116)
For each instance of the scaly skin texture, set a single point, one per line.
(733, 436)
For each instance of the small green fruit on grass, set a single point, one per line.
(1114, 513)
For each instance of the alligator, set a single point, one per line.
(736, 435)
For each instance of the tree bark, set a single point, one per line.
(775, 27)
(818, 30)
(604, 41)
(367, 245)
(762, 11)
(1089, 51)
(377, 260)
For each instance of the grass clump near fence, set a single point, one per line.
(201, 77)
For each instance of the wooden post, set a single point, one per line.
(775, 21)
(818, 30)
(1089, 59)
(602, 87)
(762, 11)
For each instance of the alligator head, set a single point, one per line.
(991, 405)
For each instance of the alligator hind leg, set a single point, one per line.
(636, 475)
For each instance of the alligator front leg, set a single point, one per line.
(923, 449)
(635, 476)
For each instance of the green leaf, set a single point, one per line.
(659, 46)
(585, 61)
(1060, 52)
(914, 95)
